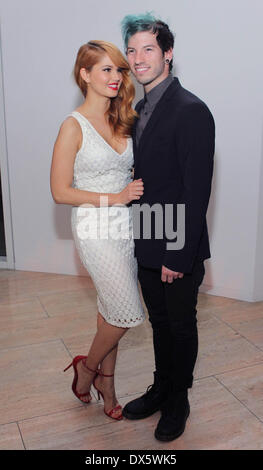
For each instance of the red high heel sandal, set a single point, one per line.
(118, 407)
(75, 380)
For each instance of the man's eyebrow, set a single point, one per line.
(148, 45)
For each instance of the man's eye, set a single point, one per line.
(149, 49)
(130, 52)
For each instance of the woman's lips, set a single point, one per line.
(113, 86)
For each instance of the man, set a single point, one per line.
(173, 154)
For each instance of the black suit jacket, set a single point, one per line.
(175, 161)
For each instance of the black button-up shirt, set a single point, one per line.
(150, 100)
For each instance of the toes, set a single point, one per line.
(116, 413)
(86, 398)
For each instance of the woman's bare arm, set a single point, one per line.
(67, 144)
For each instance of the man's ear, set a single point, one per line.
(168, 54)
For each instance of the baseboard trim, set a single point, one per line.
(223, 291)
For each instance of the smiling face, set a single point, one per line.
(146, 59)
(104, 79)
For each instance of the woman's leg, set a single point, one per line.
(106, 384)
(107, 366)
(105, 340)
(102, 351)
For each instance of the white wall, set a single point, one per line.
(217, 56)
(258, 278)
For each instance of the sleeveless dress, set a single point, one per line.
(104, 235)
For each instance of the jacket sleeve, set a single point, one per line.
(195, 142)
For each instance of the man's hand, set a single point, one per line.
(169, 276)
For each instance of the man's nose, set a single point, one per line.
(138, 58)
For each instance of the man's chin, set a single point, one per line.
(143, 80)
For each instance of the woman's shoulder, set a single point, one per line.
(70, 128)
(71, 121)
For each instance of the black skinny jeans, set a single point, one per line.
(172, 313)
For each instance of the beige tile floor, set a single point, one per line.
(46, 319)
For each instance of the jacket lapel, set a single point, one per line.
(134, 127)
(158, 112)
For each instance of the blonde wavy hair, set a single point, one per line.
(121, 115)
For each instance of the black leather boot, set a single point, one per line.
(175, 412)
(150, 402)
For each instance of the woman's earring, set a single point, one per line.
(167, 61)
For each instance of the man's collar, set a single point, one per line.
(153, 96)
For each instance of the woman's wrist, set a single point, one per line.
(116, 199)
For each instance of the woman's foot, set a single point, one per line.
(85, 378)
(105, 385)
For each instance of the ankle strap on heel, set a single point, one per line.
(98, 371)
(87, 367)
(104, 375)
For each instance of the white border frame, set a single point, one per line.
(8, 261)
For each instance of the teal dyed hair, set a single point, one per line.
(132, 24)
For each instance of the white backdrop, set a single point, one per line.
(217, 56)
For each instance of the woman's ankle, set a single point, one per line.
(89, 368)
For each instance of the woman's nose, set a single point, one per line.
(116, 77)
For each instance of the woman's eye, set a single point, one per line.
(106, 70)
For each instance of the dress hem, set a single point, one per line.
(125, 325)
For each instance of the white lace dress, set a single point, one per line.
(103, 235)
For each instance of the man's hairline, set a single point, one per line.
(145, 31)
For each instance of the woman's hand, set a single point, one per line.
(133, 190)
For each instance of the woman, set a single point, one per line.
(93, 151)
